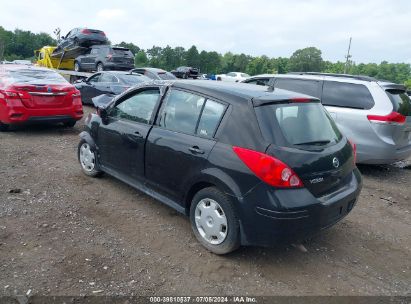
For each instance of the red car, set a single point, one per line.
(31, 94)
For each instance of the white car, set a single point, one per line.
(232, 77)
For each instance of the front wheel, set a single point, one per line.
(214, 221)
(87, 159)
(77, 67)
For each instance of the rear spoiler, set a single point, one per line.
(278, 99)
(393, 86)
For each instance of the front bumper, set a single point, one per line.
(271, 216)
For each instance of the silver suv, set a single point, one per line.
(375, 115)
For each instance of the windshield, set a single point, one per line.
(132, 78)
(400, 101)
(166, 76)
(298, 123)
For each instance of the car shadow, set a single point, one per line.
(45, 129)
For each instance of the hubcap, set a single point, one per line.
(99, 68)
(87, 158)
(211, 221)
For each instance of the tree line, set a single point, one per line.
(19, 44)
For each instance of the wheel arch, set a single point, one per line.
(211, 178)
(87, 138)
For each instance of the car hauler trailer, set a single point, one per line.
(62, 62)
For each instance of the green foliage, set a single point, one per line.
(140, 59)
(306, 60)
(20, 44)
(131, 46)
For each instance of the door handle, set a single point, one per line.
(138, 134)
(196, 150)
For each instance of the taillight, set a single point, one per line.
(102, 33)
(269, 169)
(86, 31)
(9, 94)
(392, 118)
(354, 150)
(109, 57)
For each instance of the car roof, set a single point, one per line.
(237, 92)
(333, 77)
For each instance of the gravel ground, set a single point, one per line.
(63, 233)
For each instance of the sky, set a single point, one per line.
(380, 29)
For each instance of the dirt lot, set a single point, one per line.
(68, 234)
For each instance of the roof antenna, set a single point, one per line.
(347, 57)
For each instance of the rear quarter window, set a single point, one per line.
(347, 95)
(400, 101)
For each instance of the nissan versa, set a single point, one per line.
(249, 166)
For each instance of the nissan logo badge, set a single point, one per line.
(336, 162)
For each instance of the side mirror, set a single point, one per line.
(102, 112)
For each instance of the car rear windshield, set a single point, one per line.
(123, 52)
(297, 124)
(400, 101)
(34, 76)
(132, 78)
(166, 75)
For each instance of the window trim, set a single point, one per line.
(131, 94)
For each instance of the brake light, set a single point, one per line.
(109, 57)
(354, 149)
(8, 94)
(392, 118)
(102, 33)
(300, 99)
(269, 169)
(86, 31)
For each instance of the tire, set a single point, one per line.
(77, 67)
(100, 67)
(76, 42)
(88, 165)
(217, 229)
(3, 127)
(70, 124)
(185, 76)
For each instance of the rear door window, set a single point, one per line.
(400, 101)
(105, 77)
(181, 112)
(308, 87)
(347, 95)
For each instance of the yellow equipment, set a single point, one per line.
(45, 59)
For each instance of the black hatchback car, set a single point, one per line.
(249, 166)
(105, 57)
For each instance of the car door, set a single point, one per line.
(106, 84)
(121, 140)
(180, 142)
(90, 59)
(88, 89)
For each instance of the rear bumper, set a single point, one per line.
(118, 66)
(270, 216)
(383, 154)
(17, 113)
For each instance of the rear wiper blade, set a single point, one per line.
(317, 142)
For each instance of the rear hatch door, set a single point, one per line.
(305, 137)
(122, 55)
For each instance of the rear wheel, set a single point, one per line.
(100, 67)
(214, 221)
(87, 159)
(3, 127)
(185, 76)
